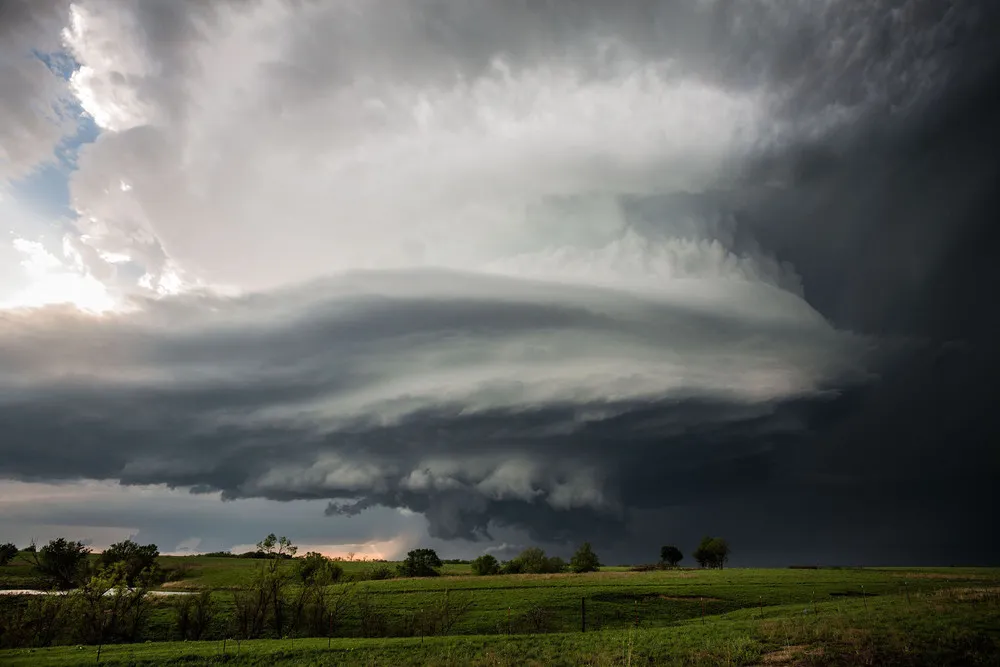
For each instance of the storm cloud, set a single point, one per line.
(567, 269)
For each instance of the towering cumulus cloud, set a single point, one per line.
(555, 267)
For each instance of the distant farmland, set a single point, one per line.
(611, 617)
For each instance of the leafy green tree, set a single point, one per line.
(62, 562)
(107, 609)
(420, 563)
(585, 560)
(136, 560)
(193, 614)
(534, 561)
(315, 568)
(275, 549)
(670, 555)
(7, 553)
(486, 564)
(512, 566)
(713, 552)
(261, 601)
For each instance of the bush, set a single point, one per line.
(136, 560)
(61, 563)
(35, 621)
(420, 563)
(316, 568)
(512, 566)
(670, 555)
(486, 564)
(585, 560)
(534, 561)
(7, 553)
(381, 572)
(713, 552)
(193, 615)
(107, 609)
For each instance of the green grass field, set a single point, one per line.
(735, 616)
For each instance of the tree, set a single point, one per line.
(7, 553)
(315, 568)
(534, 561)
(420, 563)
(584, 560)
(275, 549)
(262, 599)
(108, 609)
(670, 555)
(713, 552)
(61, 562)
(136, 559)
(485, 565)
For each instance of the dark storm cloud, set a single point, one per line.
(856, 427)
(490, 402)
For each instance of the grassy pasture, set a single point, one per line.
(736, 616)
(951, 625)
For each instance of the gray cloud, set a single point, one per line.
(600, 271)
(452, 395)
(33, 113)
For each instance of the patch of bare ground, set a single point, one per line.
(931, 575)
(970, 593)
(688, 598)
(792, 655)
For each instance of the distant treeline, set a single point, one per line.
(245, 554)
(110, 597)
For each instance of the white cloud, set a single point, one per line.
(33, 113)
(50, 279)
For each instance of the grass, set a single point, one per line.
(958, 626)
(902, 616)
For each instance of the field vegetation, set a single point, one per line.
(292, 609)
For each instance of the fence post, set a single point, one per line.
(583, 614)
(864, 596)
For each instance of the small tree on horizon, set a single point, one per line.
(62, 562)
(585, 560)
(315, 568)
(486, 565)
(136, 560)
(670, 555)
(713, 552)
(7, 553)
(420, 563)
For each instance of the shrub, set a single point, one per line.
(193, 614)
(713, 552)
(420, 563)
(316, 568)
(61, 562)
(7, 553)
(486, 564)
(585, 560)
(381, 572)
(534, 561)
(136, 560)
(670, 555)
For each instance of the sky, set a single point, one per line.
(476, 275)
